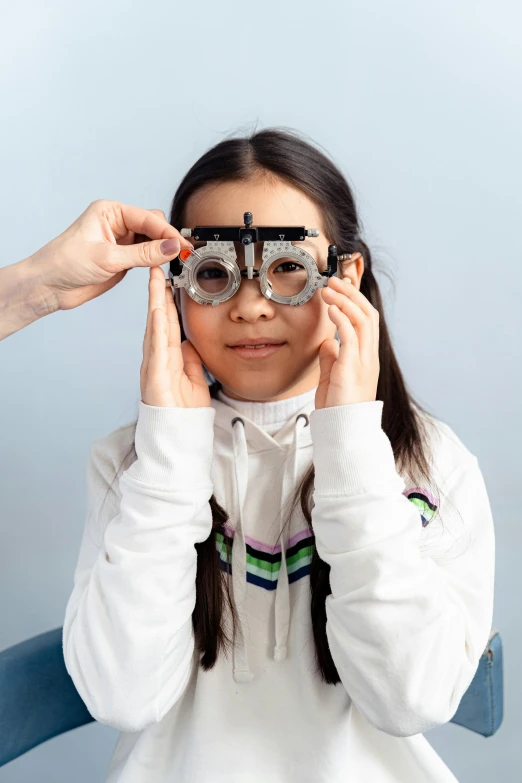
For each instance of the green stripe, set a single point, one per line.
(304, 554)
(299, 564)
(423, 506)
(306, 551)
(270, 577)
(264, 564)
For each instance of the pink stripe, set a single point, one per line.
(423, 491)
(299, 537)
(255, 543)
(272, 550)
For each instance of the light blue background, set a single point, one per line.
(419, 103)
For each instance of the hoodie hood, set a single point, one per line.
(246, 438)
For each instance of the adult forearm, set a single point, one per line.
(23, 299)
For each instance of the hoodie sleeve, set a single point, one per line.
(127, 638)
(405, 632)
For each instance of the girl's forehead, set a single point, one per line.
(271, 204)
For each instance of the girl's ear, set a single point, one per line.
(353, 268)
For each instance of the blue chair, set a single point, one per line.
(38, 699)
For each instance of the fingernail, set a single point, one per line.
(170, 246)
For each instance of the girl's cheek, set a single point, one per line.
(204, 322)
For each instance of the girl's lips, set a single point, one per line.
(256, 353)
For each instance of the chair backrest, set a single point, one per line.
(38, 699)
(481, 709)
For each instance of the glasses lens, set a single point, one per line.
(212, 276)
(287, 277)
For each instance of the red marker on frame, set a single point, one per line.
(186, 253)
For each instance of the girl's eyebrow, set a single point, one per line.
(307, 242)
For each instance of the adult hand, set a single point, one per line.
(171, 371)
(350, 371)
(95, 252)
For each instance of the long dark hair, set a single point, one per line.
(288, 156)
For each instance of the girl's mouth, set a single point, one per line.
(251, 352)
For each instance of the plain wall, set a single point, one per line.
(418, 103)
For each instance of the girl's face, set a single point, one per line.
(293, 368)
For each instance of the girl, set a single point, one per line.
(292, 578)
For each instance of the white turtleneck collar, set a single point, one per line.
(270, 416)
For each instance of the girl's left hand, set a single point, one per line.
(349, 371)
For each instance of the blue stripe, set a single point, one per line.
(265, 583)
(304, 571)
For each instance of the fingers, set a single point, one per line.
(163, 359)
(348, 336)
(156, 300)
(158, 212)
(328, 355)
(138, 237)
(135, 238)
(158, 348)
(133, 234)
(358, 319)
(150, 222)
(347, 288)
(149, 227)
(172, 318)
(114, 221)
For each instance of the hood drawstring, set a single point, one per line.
(242, 671)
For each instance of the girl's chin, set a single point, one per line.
(248, 392)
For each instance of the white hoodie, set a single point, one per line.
(408, 617)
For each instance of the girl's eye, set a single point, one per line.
(211, 273)
(287, 264)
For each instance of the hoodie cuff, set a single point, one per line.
(174, 446)
(352, 453)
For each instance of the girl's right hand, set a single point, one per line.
(172, 371)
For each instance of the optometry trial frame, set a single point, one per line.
(211, 275)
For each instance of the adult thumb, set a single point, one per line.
(151, 253)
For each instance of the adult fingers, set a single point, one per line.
(124, 218)
(134, 238)
(149, 253)
(121, 223)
